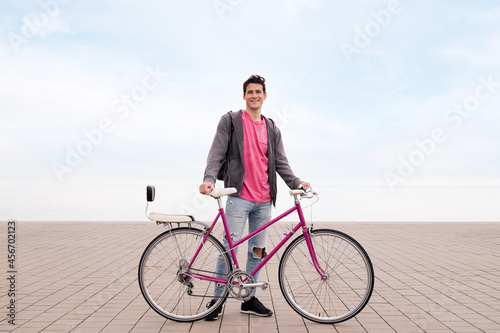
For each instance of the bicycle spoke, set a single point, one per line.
(167, 283)
(348, 283)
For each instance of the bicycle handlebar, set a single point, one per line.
(308, 192)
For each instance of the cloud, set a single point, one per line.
(341, 122)
(480, 57)
(489, 15)
(295, 7)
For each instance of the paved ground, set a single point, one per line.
(82, 277)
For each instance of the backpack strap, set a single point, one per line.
(223, 168)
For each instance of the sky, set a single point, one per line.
(389, 108)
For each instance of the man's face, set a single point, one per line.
(254, 96)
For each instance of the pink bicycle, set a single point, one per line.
(325, 275)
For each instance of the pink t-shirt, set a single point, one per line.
(256, 183)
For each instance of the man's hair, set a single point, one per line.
(255, 79)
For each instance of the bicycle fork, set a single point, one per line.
(308, 235)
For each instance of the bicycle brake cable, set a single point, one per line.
(312, 204)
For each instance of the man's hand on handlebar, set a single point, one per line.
(308, 191)
(206, 188)
(305, 185)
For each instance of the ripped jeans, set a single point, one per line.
(238, 210)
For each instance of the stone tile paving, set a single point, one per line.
(430, 277)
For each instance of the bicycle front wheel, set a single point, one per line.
(348, 277)
(173, 289)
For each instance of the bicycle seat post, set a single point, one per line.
(219, 202)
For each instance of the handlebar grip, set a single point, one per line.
(307, 190)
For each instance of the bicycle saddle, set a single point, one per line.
(220, 192)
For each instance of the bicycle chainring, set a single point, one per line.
(235, 281)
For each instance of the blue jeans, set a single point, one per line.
(238, 210)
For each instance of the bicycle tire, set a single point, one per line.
(349, 277)
(167, 291)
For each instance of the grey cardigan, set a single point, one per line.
(233, 177)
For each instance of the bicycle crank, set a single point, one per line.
(263, 285)
(241, 285)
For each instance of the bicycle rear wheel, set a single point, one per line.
(349, 277)
(167, 283)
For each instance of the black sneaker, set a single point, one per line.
(255, 307)
(214, 315)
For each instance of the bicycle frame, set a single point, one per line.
(301, 224)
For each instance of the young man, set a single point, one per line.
(252, 147)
